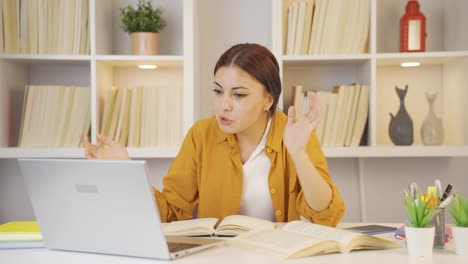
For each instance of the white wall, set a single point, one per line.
(222, 24)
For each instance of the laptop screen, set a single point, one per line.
(95, 206)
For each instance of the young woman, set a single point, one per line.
(248, 158)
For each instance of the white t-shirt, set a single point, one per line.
(256, 199)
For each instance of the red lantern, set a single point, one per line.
(412, 29)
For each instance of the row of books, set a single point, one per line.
(44, 26)
(325, 26)
(143, 116)
(345, 113)
(54, 116)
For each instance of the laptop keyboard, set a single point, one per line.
(175, 246)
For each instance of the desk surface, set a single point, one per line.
(232, 254)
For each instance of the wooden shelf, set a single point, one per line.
(397, 151)
(389, 59)
(13, 153)
(171, 152)
(287, 59)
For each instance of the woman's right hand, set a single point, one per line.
(106, 149)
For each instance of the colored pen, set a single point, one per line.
(446, 192)
(446, 201)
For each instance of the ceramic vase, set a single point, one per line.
(145, 43)
(460, 238)
(419, 241)
(400, 128)
(432, 132)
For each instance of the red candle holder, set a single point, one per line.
(413, 29)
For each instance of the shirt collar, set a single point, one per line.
(275, 135)
(274, 138)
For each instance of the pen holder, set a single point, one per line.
(439, 233)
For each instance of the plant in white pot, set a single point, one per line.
(144, 24)
(420, 208)
(459, 211)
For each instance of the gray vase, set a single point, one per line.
(400, 128)
(432, 131)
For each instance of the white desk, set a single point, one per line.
(231, 254)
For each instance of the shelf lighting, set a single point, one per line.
(147, 66)
(410, 64)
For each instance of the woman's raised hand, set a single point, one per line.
(297, 133)
(105, 149)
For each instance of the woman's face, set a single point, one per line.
(239, 100)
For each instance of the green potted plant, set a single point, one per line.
(459, 211)
(420, 208)
(144, 24)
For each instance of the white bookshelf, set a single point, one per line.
(109, 63)
(443, 68)
(395, 152)
(367, 176)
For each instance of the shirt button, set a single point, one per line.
(268, 150)
(278, 212)
(273, 190)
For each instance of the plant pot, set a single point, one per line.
(145, 43)
(419, 241)
(460, 238)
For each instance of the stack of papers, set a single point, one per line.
(20, 235)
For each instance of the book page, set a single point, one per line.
(348, 240)
(320, 232)
(300, 239)
(237, 224)
(192, 227)
(285, 243)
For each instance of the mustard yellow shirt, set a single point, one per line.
(207, 174)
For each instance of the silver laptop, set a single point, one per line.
(102, 207)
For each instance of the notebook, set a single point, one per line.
(101, 207)
(20, 235)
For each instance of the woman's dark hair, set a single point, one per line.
(259, 63)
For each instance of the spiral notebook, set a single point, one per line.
(11, 245)
(20, 235)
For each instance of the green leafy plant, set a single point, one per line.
(142, 19)
(459, 211)
(420, 208)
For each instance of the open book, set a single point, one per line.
(232, 225)
(300, 239)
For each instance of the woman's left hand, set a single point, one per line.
(297, 133)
